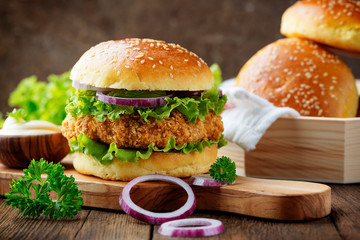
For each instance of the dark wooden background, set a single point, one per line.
(41, 37)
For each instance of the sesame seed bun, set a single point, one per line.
(142, 64)
(301, 74)
(174, 164)
(332, 22)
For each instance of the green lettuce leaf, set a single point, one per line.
(84, 102)
(18, 114)
(41, 100)
(216, 71)
(2, 120)
(105, 153)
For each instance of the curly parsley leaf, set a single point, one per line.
(223, 170)
(31, 193)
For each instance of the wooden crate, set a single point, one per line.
(308, 148)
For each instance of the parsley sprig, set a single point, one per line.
(66, 203)
(223, 170)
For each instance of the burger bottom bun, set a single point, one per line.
(174, 164)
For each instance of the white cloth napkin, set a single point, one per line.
(247, 116)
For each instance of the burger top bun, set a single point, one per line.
(332, 22)
(301, 74)
(142, 64)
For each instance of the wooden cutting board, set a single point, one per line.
(271, 199)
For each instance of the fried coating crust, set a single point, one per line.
(131, 131)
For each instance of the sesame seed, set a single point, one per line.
(153, 66)
(127, 66)
(142, 61)
(140, 55)
(160, 62)
(171, 67)
(172, 76)
(150, 58)
(199, 64)
(185, 60)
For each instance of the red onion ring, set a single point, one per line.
(134, 102)
(177, 228)
(193, 93)
(152, 217)
(205, 180)
(188, 93)
(79, 85)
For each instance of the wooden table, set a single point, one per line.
(90, 223)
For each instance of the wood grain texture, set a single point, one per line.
(110, 225)
(346, 210)
(240, 227)
(343, 223)
(308, 148)
(96, 224)
(273, 199)
(14, 226)
(18, 151)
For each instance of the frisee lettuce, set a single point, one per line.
(216, 71)
(84, 102)
(2, 120)
(105, 153)
(43, 100)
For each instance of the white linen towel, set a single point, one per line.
(247, 116)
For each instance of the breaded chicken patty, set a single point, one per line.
(131, 131)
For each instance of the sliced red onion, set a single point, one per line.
(220, 93)
(188, 93)
(134, 102)
(192, 93)
(182, 228)
(79, 85)
(152, 217)
(205, 180)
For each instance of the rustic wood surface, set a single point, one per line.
(271, 199)
(96, 223)
(91, 223)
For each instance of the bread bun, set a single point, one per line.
(332, 22)
(174, 164)
(142, 64)
(301, 74)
